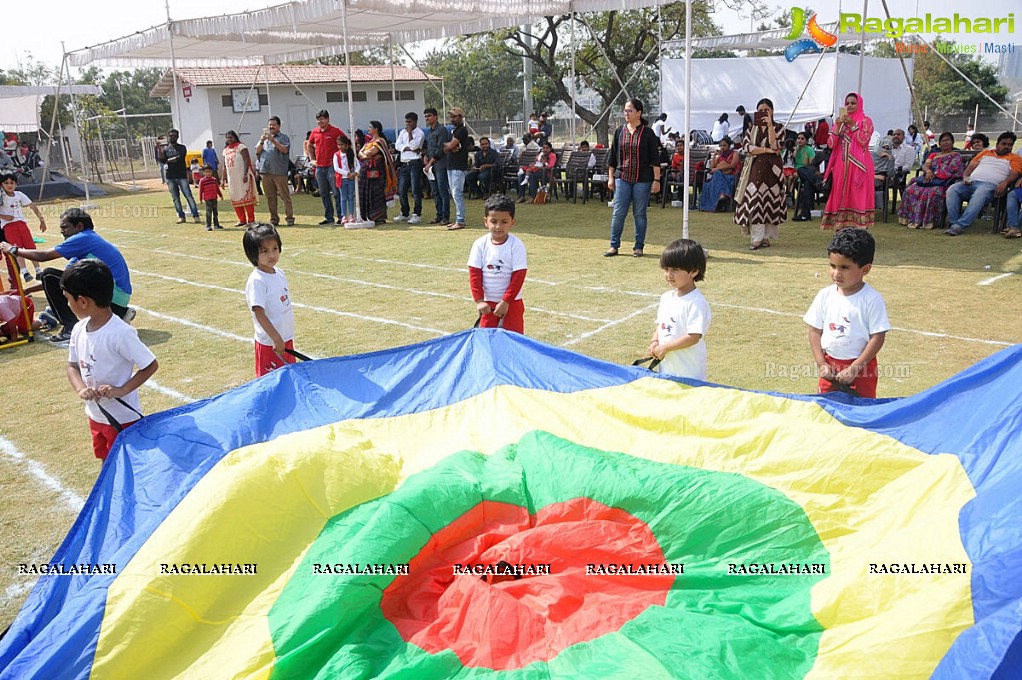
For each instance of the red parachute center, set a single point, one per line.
(509, 624)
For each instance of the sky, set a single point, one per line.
(81, 24)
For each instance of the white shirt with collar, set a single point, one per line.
(413, 142)
(904, 156)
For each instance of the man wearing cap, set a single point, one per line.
(457, 166)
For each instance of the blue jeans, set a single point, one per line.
(327, 184)
(635, 194)
(178, 187)
(346, 198)
(1014, 208)
(441, 194)
(977, 194)
(410, 175)
(456, 178)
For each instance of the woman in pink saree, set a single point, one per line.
(850, 167)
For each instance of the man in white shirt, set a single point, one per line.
(660, 128)
(904, 155)
(988, 175)
(409, 144)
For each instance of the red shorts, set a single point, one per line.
(865, 383)
(267, 360)
(514, 320)
(789, 172)
(20, 320)
(17, 234)
(103, 436)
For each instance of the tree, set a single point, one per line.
(944, 91)
(629, 39)
(479, 76)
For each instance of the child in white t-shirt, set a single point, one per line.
(683, 317)
(269, 299)
(102, 354)
(496, 268)
(13, 227)
(848, 320)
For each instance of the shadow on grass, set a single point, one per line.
(153, 337)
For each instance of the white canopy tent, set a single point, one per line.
(20, 104)
(306, 29)
(720, 85)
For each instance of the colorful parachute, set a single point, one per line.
(485, 506)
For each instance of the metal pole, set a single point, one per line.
(574, 93)
(393, 86)
(351, 104)
(862, 46)
(173, 69)
(688, 117)
(527, 73)
(81, 138)
(975, 119)
(53, 124)
(127, 139)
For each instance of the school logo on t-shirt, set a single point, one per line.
(840, 329)
(496, 267)
(668, 328)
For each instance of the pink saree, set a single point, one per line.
(850, 203)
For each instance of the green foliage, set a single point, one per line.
(944, 92)
(374, 56)
(629, 40)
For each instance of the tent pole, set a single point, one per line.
(269, 102)
(173, 68)
(351, 104)
(862, 46)
(251, 89)
(127, 139)
(574, 130)
(596, 40)
(660, 54)
(295, 85)
(81, 138)
(393, 86)
(904, 69)
(975, 119)
(443, 97)
(805, 87)
(53, 124)
(688, 119)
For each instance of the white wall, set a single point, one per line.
(204, 117)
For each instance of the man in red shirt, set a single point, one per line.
(822, 132)
(320, 147)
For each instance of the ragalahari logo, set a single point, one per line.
(817, 40)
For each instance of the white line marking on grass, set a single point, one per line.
(931, 334)
(168, 392)
(422, 265)
(589, 334)
(326, 310)
(987, 282)
(371, 284)
(192, 324)
(36, 469)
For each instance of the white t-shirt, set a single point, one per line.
(677, 316)
(497, 263)
(10, 308)
(13, 206)
(108, 356)
(270, 292)
(847, 321)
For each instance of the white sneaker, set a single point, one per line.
(129, 315)
(401, 218)
(414, 219)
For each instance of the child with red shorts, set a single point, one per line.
(12, 316)
(12, 224)
(102, 354)
(497, 267)
(269, 299)
(848, 320)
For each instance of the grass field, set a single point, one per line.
(952, 301)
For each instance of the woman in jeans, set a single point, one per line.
(633, 173)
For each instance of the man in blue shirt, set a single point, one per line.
(209, 158)
(80, 241)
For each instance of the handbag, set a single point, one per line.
(743, 181)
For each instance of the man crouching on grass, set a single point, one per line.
(104, 352)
